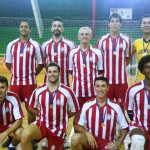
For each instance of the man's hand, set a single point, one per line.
(112, 145)
(2, 137)
(91, 140)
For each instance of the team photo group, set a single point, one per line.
(86, 82)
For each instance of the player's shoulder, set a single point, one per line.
(125, 37)
(41, 88)
(137, 86)
(13, 42)
(104, 37)
(114, 105)
(67, 41)
(95, 49)
(112, 102)
(74, 50)
(47, 42)
(12, 96)
(34, 42)
(138, 41)
(10, 93)
(65, 88)
(89, 103)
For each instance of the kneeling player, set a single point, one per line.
(138, 101)
(11, 113)
(96, 125)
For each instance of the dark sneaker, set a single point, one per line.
(34, 145)
(6, 143)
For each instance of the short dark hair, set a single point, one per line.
(101, 78)
(57, 19)
(53, 64)
(115, 15)
(145, 16)
(26, 22)
(144, 60)
(3, 80)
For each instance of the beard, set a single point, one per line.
(57, 33)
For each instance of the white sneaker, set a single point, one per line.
(45, 144)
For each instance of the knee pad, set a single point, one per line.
(138, 142)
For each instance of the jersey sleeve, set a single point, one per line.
(82, 120)
(100, 61)
(73, 102)
(17, 108)
(8, 57)
(39, 54)
(43, 49)
(121, 119)
(70, 64)
(129, 48)
(33, 102)
(73, 45)
(99, 44)
(129, 99)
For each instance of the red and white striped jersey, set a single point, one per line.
(58, 52)
(137, 101)
(90, 119)
(83, 76)
(56, 118)
(23, 63)
(115, 64)
(11, 109)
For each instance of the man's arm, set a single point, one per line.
(128, 61)
(10, 130)
(122, 137)
(133, 49)
(8, 65)
(90, 138)
(71, 114)
(34, 111)
(39, 68)
(112, 145)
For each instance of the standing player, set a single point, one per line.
(11, 113)
(96, 126)
(21, 57)
(85, 63)
(138, 103)
(117, 52)
(141, 47)
(57, 48)
(53, 100)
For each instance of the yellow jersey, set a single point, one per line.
(139, 48)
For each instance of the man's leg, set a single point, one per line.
(16, 138)
(137, 139)
(32, 132)
(79, 142)
(26, 91)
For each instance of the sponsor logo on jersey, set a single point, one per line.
(7, 110)
(108, 116)
(120, 45)
(91, 59)
(57, 102)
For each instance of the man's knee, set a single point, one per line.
(138, 142)
(75, 139)
(26, 135)
(79, 139)
(18, 134)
